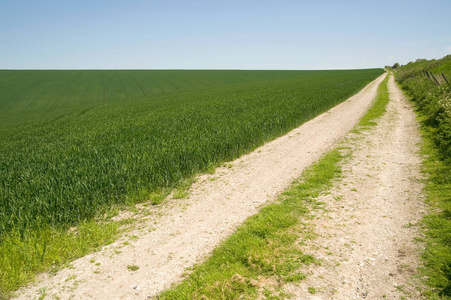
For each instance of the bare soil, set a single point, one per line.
(373, 220)
(367, 227)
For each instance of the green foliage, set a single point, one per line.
(432, 100)
(264, 248)
(433, 103)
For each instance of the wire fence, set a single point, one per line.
(439, 80)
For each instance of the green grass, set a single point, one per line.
(264, 249)
(437, 256)
(76, 143)
(46, 249)
(433, 105)
(378, 108)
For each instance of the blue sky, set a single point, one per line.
(221, 34)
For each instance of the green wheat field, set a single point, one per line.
(76, 142)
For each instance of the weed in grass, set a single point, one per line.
(180, 194)
(42, 292)
(338, 198)
(71, 277)
(211, 169)
(156, 197)
(294, 277)
(132, 268)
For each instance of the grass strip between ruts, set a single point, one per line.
(264, 253)
(377, 109)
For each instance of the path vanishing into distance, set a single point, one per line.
(366, 229)
(174, 236)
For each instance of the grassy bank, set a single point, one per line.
(433, 105)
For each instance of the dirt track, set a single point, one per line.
(367, 228)
(185, 231)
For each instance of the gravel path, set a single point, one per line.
(184, 232)
(367, 227)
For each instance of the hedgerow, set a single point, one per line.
(433, 103)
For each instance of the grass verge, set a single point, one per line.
(437, 224)
(47, 249)
(433, 107)
(264, 253)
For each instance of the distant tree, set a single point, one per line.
(421, 60)
(396, 65)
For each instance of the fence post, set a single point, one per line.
(436, 81)
(443, 75)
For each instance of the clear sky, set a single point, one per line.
(221, 34)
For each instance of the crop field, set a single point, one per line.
(36, 94)
(74, 143)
